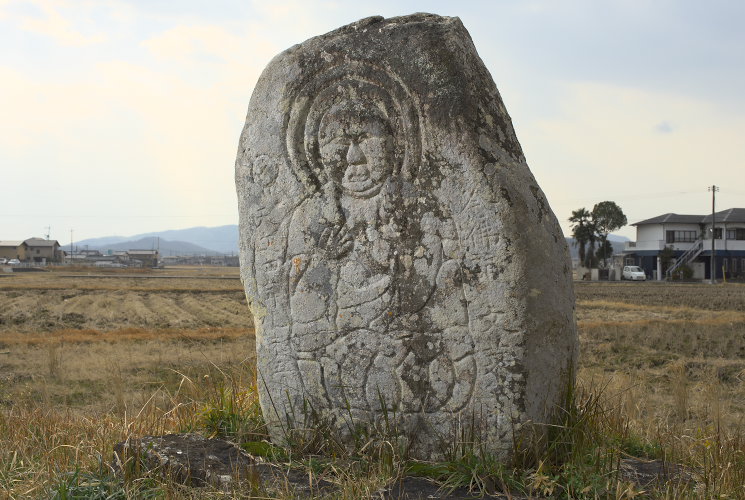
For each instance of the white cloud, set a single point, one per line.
(605, 145)
(56, 19)
(157, 136)
(185, 44)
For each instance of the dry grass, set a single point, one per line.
(47, 440)
(87, 361)
(671, 360)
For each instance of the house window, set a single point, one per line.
(736, 234)
(37, 251)
(734, 265)
(717, 233)
(680, 236)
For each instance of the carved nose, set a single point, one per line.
(355, 156)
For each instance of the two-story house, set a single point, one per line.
(690, 238)
(41, 250)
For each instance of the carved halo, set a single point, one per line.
(357, 80)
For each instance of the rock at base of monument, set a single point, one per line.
(189, 459)
(197, 461)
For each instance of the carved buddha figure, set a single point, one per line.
(364, 272)
(356, 149)
(342, 248)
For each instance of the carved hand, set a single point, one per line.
(336, 241)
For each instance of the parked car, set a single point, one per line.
(3, 260)
(633, 273)
(14, 262)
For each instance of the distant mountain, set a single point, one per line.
(98, 242)
(221, 239)
(191, 241)
(166, 247)
(617, 237)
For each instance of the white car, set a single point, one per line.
(633, 273)
(3, 260)
(14, 262)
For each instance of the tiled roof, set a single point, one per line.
(10, 243)
(40, 242)
(729, 215)
(672, 218)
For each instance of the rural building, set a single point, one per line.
(690, 239)
(90, 253)
(148, 258)
(13, 250)
(41, 250)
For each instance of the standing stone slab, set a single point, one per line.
(403, 268)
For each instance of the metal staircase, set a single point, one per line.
(688, 256)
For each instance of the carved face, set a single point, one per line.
(356, 146)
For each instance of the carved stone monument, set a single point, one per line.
(403, 268)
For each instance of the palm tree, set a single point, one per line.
(583, 232)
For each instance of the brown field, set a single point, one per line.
(95, 341)
(120, 352)
(674, 354)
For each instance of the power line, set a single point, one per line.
(629, 197)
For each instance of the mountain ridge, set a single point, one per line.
(220, 240)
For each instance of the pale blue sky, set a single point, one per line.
(123, 117)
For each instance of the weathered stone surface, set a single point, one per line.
(197, 461)
(189, 459)
(403, 268)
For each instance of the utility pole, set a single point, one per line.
(713, 264)
(71, 252)
(49, 232)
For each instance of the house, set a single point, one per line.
(41, 250)
(689, 238)
(148, 258)
(90, 253)
(13, 250)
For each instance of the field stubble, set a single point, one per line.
(94, 359)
